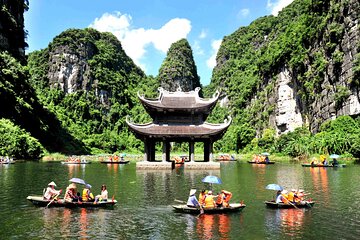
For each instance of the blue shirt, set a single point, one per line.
(192, 201)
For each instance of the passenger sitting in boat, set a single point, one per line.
(335, 162)
(282, 198)
(300, 196)
(116, 158)
(87, 195)
(202, 197)
(103, 195)
(192, 201)
(228, 196)
(325, 162)
(314, 161)
(50, 192)
(71, 193)
(220, 199)
(292, 196)
(267, 160)
(209, 200)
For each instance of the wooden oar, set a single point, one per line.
(293, 205)
(180, 201)
(52, 200)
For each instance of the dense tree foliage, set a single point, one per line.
(16, 142)
(305, 37)
(179, 69)
(95, 115)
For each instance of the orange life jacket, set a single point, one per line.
(201, 198)
(220, 198)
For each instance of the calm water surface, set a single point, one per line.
(145, 197)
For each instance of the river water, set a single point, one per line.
(145, 197)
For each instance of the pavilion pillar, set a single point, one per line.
(211, 144)
(191, 150)
(152, 151)
(146, 151)
(206, 151)
(163, 157)
(168, 146)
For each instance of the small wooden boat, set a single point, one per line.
(321, 165)
(254, 162)
(75, 162)
(115, 162)
(225, 158)
(4, 162)
(40, 202)
(234, 207)
(303, 204)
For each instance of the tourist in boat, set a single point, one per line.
(292, 196)
(300, 195)
(103, 195)
(192, 201)
(323, 160)
(314, 161)
(87, 195)
(209, 200)
(202, 197)
(282, 198)
(220, 199)
(335, 162)
(116, 158)
(71, 193)
(267, 160)
(50, 192)
(227, 198)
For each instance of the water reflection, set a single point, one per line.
(289, 222)
(213, 226)
(320, 182)
(75, 169)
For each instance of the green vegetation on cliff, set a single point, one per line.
(304, 38)
(179, 69)
(94, 114)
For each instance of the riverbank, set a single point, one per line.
(136, 157)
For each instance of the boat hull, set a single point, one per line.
(317, 165)
(75, 163)
(40, 202)
(253, 162)
(306, 204)
(115, 162)
(234, 207)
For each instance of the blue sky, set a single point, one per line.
(147, 28)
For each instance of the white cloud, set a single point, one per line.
(215, 45)
(197, 48)
(243, 13)
(203, 34)
(135, 41)
(277, 6)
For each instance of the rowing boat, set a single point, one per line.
(41, 202)
(302, 204)
(254, 162)
(115, 162)
(11, 162)
(81, 162)
(321, 165)
(234, 207)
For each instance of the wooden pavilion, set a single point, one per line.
(178, 117)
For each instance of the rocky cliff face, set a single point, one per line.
(12, 32)
(337, 96)
(255, 66)
(69, 69)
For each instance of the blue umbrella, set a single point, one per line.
(265, 154)
(334, 156)
(211, 179)
(274, 186)
(77, 180)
